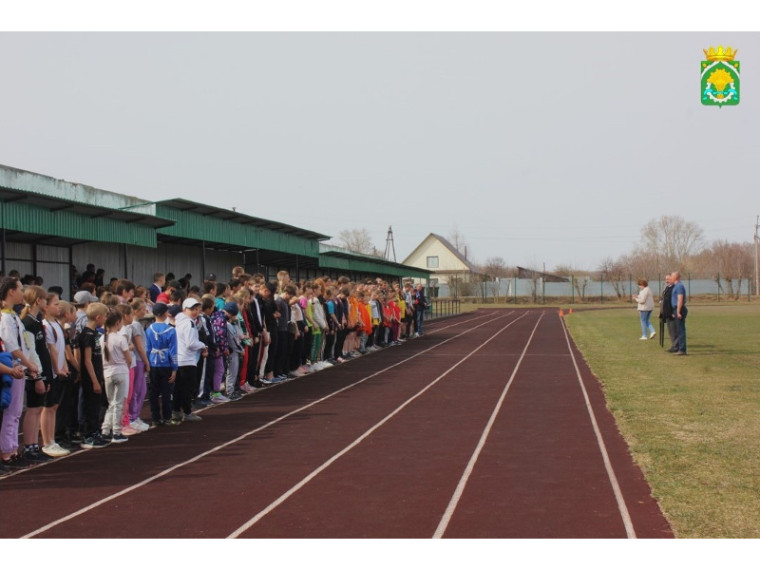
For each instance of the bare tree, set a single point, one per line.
(672, 240)
(457, 239)
(614, 272)
(578, 277)
(494, 269)
(358, 240)
(728, 263)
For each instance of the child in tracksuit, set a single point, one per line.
(189, 348)
(161, 346)
(235, 345)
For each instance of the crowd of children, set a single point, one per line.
(78, 373)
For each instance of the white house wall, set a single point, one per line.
(448, 262)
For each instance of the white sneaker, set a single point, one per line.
(139, 425)
(55, 450)
(219, 398)
(652, 334)
(643, 338)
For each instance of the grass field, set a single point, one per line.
(693, 423)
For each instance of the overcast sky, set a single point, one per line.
(540, 148)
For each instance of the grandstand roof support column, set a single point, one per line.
(126, 263)
(2, 245)
(203, 261)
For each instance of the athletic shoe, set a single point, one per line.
(15, 462)
(643, 338)
(174, 421)
(55, 450)
(33, 455)
(86, 443)
(296, 373)
(247, 388)
(679, 353)
(119, 438)
(139, 425)
(219, 398)
(265, 381)
(192, 417)
(235, 396)
(157, 423)
(327, 364)
(95, 441)
(68, 445)
(129, 430)
(652, 334)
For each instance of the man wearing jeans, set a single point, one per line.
(678, 300)
(420, 304)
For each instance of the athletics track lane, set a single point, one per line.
(396, 482)
(247, 471)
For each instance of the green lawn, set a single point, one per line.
(693, 423)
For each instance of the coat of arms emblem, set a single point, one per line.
(720, 77)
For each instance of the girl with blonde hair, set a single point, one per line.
(56, 344)
(117, 360)
(32, 315)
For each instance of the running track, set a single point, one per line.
(488, 426)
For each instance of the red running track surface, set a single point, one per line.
(490, 425)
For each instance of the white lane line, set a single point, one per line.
(455, 498)
(169, 470)
(285, 496)
(627, 522)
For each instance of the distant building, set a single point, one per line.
(523, 273)
(447, 265)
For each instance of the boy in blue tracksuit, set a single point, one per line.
(161, 346)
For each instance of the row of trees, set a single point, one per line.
(666, 244)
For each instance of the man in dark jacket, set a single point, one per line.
(420, 305)
(667, 314)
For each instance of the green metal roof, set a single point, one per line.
(333, 257)
(232, 231)
(40, 209)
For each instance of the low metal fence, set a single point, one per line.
(440, 308)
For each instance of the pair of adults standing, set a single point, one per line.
(673, 311)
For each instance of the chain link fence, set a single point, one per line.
(597, 289)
